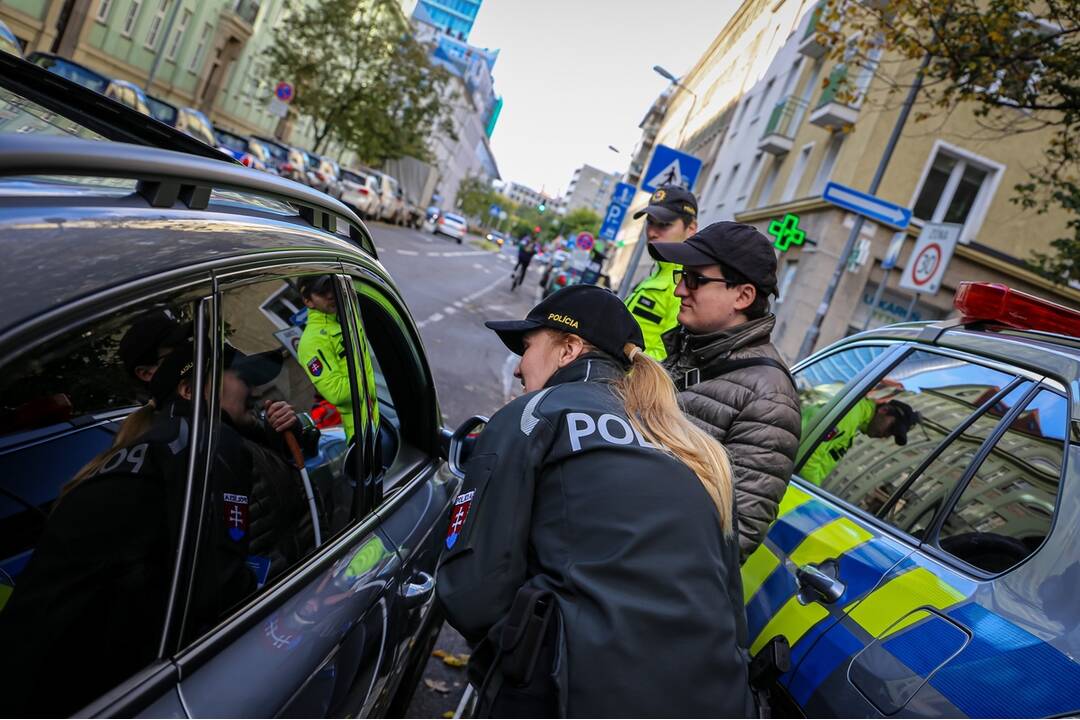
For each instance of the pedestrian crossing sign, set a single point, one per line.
(671, 167)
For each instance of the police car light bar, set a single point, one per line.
(1002, 304)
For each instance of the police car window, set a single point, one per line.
(870, 451)
(915, 509)
(92, 478)
(23, 116)
(1005, 512)
(819, 382)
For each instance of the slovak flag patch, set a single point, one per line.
(236, 515)
(314, 367)
(458, 513)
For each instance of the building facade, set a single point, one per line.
(453, 17)
(590, 188)
(523, 195)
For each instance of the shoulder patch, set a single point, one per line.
(315, 367)
(528, 419)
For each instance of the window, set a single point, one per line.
(89, 509)
(797, 173)
(791, 267)
(819, 382)
(762, 98)
(273, 515)
(1005, 512)
(155, 25)
(771, 174)
(178, 35)
(832, 150)
(131, 17)
(956, 189)
(869, 452)
(103, 8)
(200, 49)
(748, 184)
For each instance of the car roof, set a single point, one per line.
(121, 237)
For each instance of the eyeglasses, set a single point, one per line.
(694, 280)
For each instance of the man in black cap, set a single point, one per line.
(732, 380)
(671, 216)
(875, 419)
(580, 541)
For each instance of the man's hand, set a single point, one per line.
(280, 415)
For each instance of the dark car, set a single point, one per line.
(113, 603)
(288, 162)
(925, 559)
(248, 151)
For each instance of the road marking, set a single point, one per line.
(457, 303)
(449, 310)
(431, 253)
(467, 299)
(407, 252)
(433, 319)
(478, 266)
(380, 249)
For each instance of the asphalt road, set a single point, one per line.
(451, 290)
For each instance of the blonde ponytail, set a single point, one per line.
(651, 405)
(131, 429)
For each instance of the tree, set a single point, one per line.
(1015, 63)
(475, 196)
(580, 220)
(361, 77)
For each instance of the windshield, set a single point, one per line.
(71, 71)
(162, 111)
(277, 152)
(19, 115)
(233, 142)
(353, 177)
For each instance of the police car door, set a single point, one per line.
(841, 557)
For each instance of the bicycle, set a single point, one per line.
(518, 276)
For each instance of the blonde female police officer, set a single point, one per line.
(591, 556)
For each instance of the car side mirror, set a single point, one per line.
(459, 444)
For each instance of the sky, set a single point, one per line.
(576, 76)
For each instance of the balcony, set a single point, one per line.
(837, 108)
(810, 45)
(780, 131)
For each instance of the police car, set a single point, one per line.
(338, 618)
(926, 557)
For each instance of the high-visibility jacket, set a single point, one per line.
(655, 307)
(322, 353)
(837, 441)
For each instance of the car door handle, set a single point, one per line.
(815, 584)
(419, 591)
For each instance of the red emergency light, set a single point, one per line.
(1005, 305)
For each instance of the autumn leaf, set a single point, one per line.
(456, 660)
(438, 686)
(439, 654)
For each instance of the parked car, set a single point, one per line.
(452, 225)
(414, 214)
(185, 119)
(248, 151)
(125, 607)
(288, 162)
(323, 174)
(360, 191)
(496, 237)
(928, 545)
(391, 204)
(71, 70)
(129, 94)
(8, 42)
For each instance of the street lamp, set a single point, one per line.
(614, 149)
(675, 81)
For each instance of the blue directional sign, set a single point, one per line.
(616, 210)
(872, 207)
(670, 167)
(494, 210)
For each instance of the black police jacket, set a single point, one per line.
(89, 608)
(562, 495)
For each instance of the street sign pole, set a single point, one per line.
(814, 330)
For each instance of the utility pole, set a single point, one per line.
(814, 330)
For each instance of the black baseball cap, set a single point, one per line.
(314, 283)
(592, 312)
(142, 342)
(736, 245)
(670, 203)
(256, 369)
(904, 418)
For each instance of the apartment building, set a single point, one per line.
(590, 188)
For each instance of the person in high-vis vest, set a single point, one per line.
(322, 353)
(671, 217)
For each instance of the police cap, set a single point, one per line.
(670, 203)
(594, 313)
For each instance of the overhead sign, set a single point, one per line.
(670, 167)
(616, 210)
(585, 241)
(786, 232)
(930, 258)
(867, 205)
(284, 92)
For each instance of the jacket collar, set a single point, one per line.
(700, 350)
(318, 317)
(590, 367)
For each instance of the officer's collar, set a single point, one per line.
(590, 367)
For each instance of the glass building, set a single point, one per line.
(454, 17)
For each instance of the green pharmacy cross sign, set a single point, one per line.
(787, 232)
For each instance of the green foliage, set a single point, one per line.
(1015, 63)
(475, 196)
(580, 220)
(361, 77)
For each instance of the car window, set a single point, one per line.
(1006, 510)
(870, 451)
(918, 504)
(820, 381)
(353, 177)
(19, 115)
(233, 142)
(92, 480)
(71, 71)
(162, 111)
(454, 218)
(198, 126)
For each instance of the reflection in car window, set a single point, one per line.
(915, 508)
(871, 450)
(92, 480)
(19, 115)
(1006, 510)
(819, 382)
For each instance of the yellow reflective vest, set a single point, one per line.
(655, 307)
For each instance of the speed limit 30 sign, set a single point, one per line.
(930, 258)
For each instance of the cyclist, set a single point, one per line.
(526, 250)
